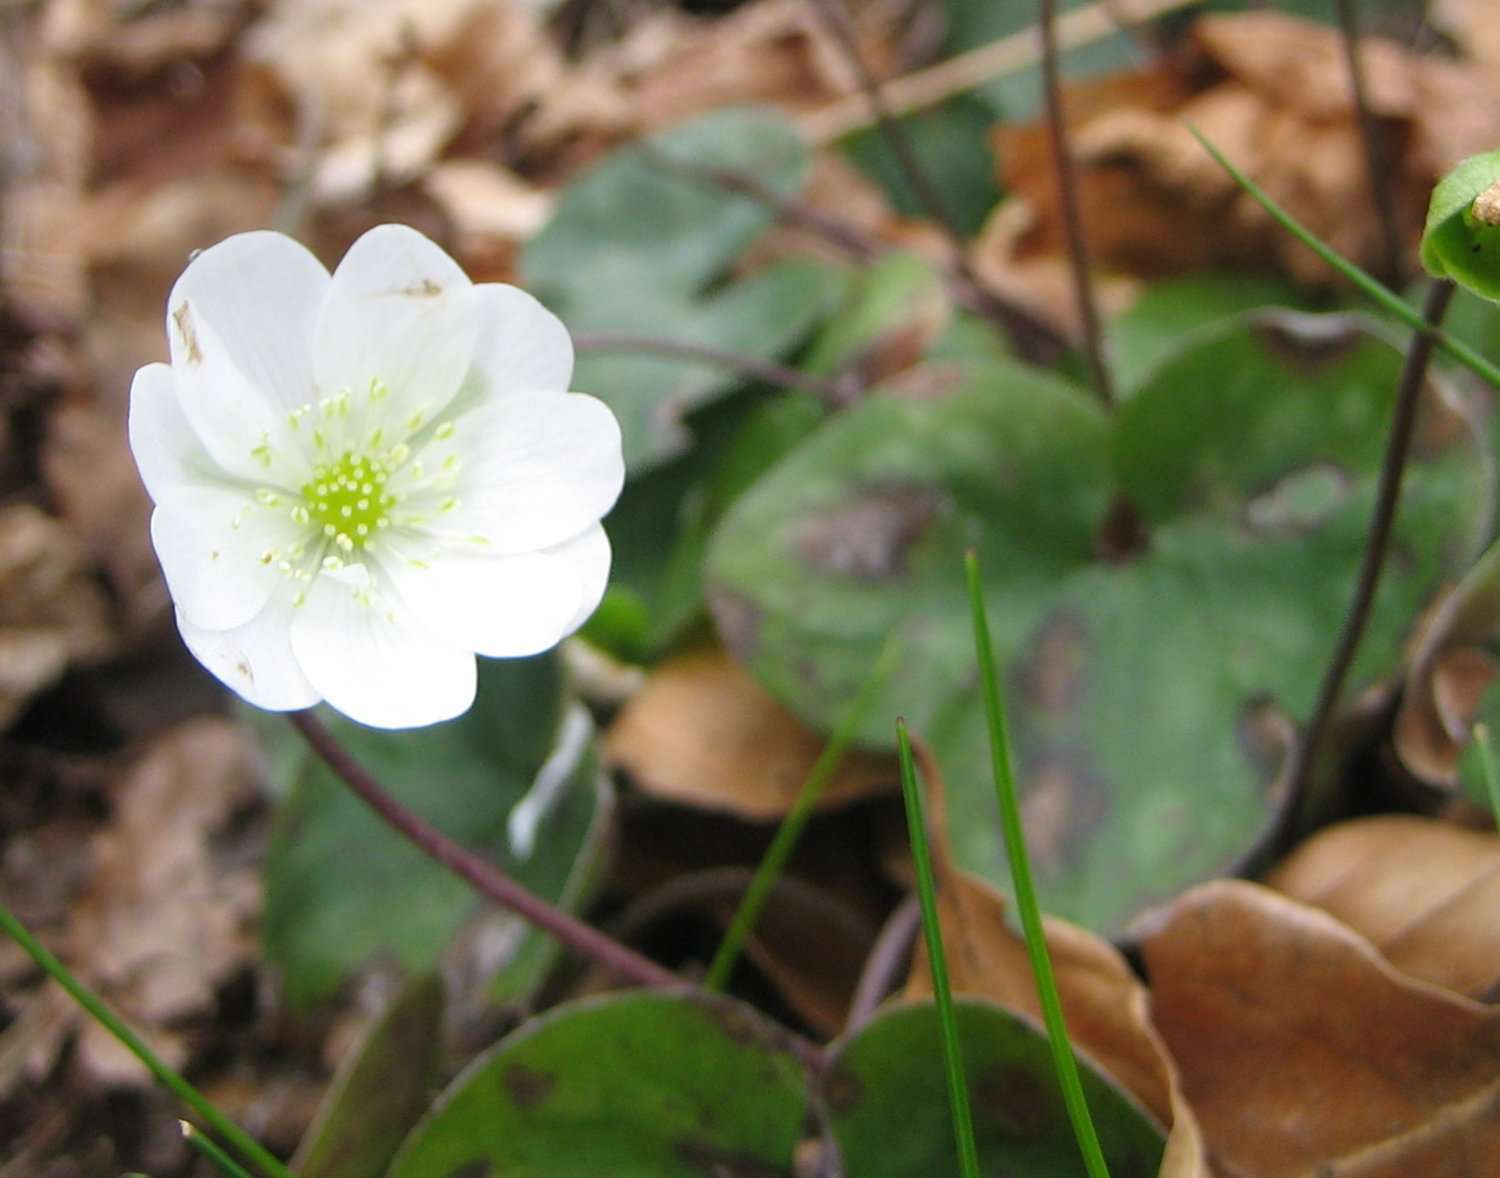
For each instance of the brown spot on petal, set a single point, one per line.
(426, 289)
(182, 319)
(869, 538)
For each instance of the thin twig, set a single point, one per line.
(483, 875)
(1033, 342)
(933, 84)
(1067, 186)
(838, 393)
(1381, 189)
(1387, 497)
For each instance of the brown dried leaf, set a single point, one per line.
(1474, 25)
(703, 733)
(51, 611)
(1425, 893)
(163, 924)
(1303, 1051)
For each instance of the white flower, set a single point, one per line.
(363, 480)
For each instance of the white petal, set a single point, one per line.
(537, 470)
(260, 293)
(213, 547)
(167, 451)
(523, 347)
(373, 663)
(504, 606)
(255, 659)
(401, 313)
(239, 322)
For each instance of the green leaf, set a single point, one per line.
(1167, 312)
(638, 1085)
(631, 226)
(886, 1096)
(381, 1090)
(1455, 244)
(342, 887)
(1148, 689)
(765, 315)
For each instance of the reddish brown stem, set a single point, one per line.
(1382, 190)
(1067, 184)
(480, 873)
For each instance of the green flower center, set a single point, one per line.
(348, 500)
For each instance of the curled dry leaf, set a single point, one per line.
(703, 733)
(1304, 1052)
(1425, 893)
(164, 923)
(51, 611)
(1104, 1003)
(1271, 92)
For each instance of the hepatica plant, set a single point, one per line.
(363, 479)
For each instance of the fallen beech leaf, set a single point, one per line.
(703, 733)
(163, 924)
(1425, 893)
(1474, 26)
(1304, 1052)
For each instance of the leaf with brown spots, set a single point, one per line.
(1426, 894)
(1154, 686)
(1304, 1052)
(666, 1085)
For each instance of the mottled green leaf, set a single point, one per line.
(639, 1085)
(1152, 670)
(887, 1097)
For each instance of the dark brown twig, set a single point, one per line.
(1067, 185)
(1381, 189)
(1033, 339)
(480, 873)
(838, 394)
(1387, 498)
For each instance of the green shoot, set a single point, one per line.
(958, 1087)
(1020, 870)
(1487, 767)
(205, 1145)
(1387, 299)
(169, 1079)
(773, 863)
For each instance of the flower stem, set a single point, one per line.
(1377, 543)
(479, 872)
(953, 1059)
(1382, 191)
(1026, 903)
(773, 863)
(170, 1079)
(1067, 188)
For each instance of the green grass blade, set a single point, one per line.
(1386, 298)
(1487, 767)
(172, 1081)
(784, 842)
(958, 1086)
(1020, 871)
(205, 1145)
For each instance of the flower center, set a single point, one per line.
(347, 499)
